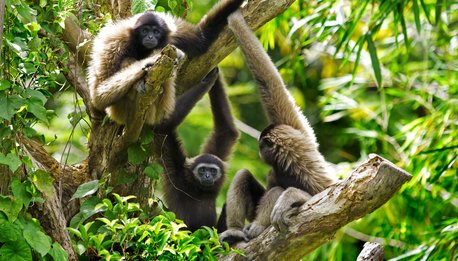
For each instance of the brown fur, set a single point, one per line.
(108, 87)
(289, 146)
(111, 73)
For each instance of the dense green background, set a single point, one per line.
(371, 77)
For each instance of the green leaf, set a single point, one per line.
(17, 251)
(4, 84)
(11, 160)
(38, 240)
(20, 191)
(136, 154)
(153, 171)
(10, 206)
(36, 107)
(25, 13)
(86, 189)
(87, 209)
(416, 12)
(374, 59)
(44, 182)
(9, 231)
(31, 93)
(10, 105)
(58, 253)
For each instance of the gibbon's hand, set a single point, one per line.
(148, 63)
(211, 77)
(253, 230)
(287, 206)
(180, 56)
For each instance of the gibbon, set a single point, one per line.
(191, 185)
(122, 53)
(288, 145)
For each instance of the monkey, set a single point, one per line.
(191, 185)
(288, 145)
(123, 52)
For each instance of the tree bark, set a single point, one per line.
(370, 186)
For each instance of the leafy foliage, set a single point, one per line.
(119, 233)
(371, 76)
(21, 237)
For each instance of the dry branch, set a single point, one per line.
(371, 185)
(371, 252)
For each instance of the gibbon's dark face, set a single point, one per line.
(208, 171)
(267, 146)
(151, 31)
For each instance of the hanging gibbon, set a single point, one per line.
(288, 145)
(191, 185)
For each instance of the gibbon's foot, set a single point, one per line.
(253, 230)
(232, 236)
(287, 206)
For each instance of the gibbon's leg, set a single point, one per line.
(263, 211)
(224, 134)
(116, 87)
(287, 205)
(277, 101)
(243, 196)
(196, 40)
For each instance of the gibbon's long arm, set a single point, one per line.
(169, 146)
(115, 87)
(277, 101)
(224, 134)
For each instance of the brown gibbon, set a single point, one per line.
(123, 51)
(288, 145)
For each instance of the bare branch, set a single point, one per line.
(370, 186)
(371, 252)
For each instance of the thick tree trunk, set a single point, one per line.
(366, 189)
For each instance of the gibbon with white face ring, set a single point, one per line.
(123, 51)
(191, 185)
(288, 145)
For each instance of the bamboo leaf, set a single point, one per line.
(374, 59)
(416, 13)
(358, 56)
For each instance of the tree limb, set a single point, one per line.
(371, 185)
(371, 252)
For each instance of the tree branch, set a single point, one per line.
(371, 252)
(256, 13)
(371, 185)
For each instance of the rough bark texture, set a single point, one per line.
(371, 252)
(365, 190)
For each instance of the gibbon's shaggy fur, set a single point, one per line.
(191, 185)
(288, 145)
(120, 59)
